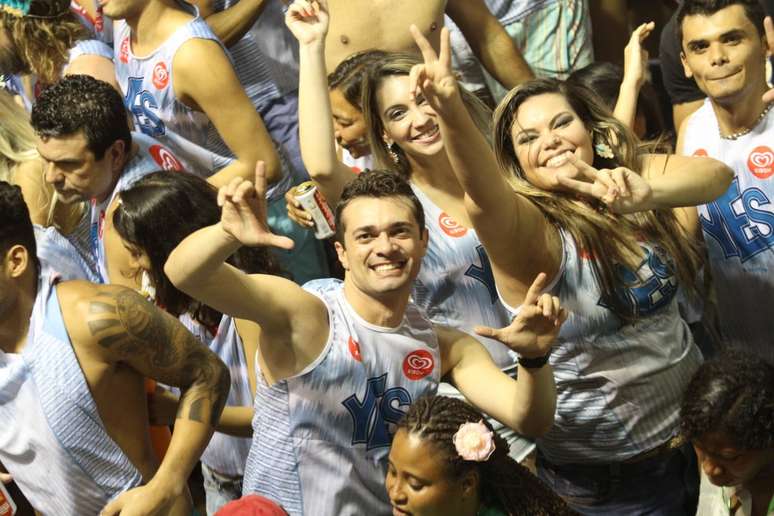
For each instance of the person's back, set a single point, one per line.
(70, 351)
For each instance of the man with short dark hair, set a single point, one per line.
(90, 154)
(728, 415)
(73, 358)
(340, 361)
(724, 48)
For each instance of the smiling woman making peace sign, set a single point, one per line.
(571, 186)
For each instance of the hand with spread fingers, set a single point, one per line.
(244, 212)
(533, 331)
(621, 189)
(308, 21)
(434, 79)
(768, 25)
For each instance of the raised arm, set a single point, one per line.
(231, 24)
(205, 80)
(526, 404)
(309, 24)
(503, 220)
(127, 331)
(635, 63)
(197, 267)
(490, 42)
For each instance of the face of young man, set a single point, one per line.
(383, 245)
(725, 54)
(725, 464)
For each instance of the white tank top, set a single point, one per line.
(321, 438)
(739, 229)
(455, 285)
(619, 386)
(146, 82)
(52, 440)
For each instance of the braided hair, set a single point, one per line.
(504, 483)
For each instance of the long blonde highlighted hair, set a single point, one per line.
(396, 64)
(612, 239)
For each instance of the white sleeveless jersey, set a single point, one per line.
(321, 438)
(146, 83)
(151, 156)
(100, 25)
(455, 285)
(52, 440)
(739, 229)
(619, 386)
(226, 454)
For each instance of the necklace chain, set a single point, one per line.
(738, 134)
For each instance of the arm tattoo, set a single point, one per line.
(135, 331)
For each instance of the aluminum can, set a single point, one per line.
(313, 202)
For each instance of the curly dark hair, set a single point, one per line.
(377, 184)
(348, 75)
(15, 223)
(83, 102)
(732, 394)
(157, 212)
(504, 483)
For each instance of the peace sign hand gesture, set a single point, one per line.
(244, 212)
(533, 331)
(308, 21)
(621, 189)
(433, 79)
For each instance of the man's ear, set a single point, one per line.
(16, 261)
(117, 155)
(341, 252)
(686, 69)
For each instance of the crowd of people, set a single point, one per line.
(535, 299)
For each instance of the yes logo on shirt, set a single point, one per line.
(379, 408)
(141, 103)
(741, 222)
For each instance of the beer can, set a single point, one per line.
(313, 202)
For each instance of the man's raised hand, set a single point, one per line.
(243, 214)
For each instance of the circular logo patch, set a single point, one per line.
(354, 349)
(160, 76)
(450, 226)
(700, 152)
(123, 53)
(418, 364)
(761, 162)
(165, 158)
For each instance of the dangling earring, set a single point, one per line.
(147, 290)
(603, 150)
(393, 155)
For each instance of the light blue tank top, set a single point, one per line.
(455, 285)
(739, 230)
(53, 441)
(619, 386)
(321, 438)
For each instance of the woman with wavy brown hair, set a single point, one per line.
(569, 192)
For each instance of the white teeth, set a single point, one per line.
(386, 267)
(429, 134)
(558, 161)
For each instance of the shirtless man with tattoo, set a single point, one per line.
(73, 358)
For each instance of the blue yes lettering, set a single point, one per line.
(379, 408)
(141, 104)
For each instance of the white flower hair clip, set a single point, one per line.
(474, 441)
